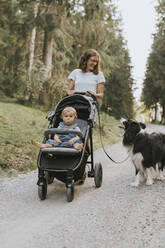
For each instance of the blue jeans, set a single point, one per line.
(63, 144)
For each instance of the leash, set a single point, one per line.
(116, 162)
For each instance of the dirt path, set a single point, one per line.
(113, 216)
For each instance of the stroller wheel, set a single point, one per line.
(70, 192)
(42, 191)
(98, 175)
(49, 177)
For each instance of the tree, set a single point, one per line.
(118, 91)
(13, 40)
(154, 82)
(32, 40)
(45, 39)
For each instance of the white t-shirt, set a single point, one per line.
(86, 81)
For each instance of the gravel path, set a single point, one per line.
(113, 216)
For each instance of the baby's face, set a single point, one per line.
(68, 118)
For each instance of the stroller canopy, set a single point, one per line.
(85, 107)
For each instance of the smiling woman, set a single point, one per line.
(87, 78)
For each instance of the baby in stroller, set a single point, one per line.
(67, 161)
(68, 116)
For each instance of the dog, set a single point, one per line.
(147, 152)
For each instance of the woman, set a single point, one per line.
(87, 78)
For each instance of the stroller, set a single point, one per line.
(68, 164)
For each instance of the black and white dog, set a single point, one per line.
(147, 151)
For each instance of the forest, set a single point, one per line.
(153, 94)
(41, 42)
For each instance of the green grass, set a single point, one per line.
(110, 131)
(20, 126)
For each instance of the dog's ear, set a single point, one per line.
(142, 125)
(125, 123)
(122, 120)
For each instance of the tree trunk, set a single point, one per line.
(32, 40)
(51, 22)
(48, 53)
(47, 59)
(163, 115)
(156, 109)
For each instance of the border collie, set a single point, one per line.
(147, 151)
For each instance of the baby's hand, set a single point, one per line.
(58, 141)
(71, 141)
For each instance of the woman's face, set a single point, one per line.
(91, 63)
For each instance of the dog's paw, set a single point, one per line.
(149, 182)
(142, 179)
(134, 184)
(161, 178)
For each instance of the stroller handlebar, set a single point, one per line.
(62, 131)
(84, 93)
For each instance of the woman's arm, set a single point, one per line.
(71, 90)
(100, 91)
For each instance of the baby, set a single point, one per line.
(68, 116)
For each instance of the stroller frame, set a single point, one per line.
(47, 173)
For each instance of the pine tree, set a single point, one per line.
(13, 49)
(154, 83)
(118, 99)
(42, 41)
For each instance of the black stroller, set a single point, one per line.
(68, 164)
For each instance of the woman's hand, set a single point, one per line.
(71, 92)
(100, 91)
(89, 93)
(71, 89)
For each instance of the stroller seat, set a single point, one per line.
(82, 124)
(67, 151)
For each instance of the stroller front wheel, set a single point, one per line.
(98, 175)
(70, 192)
(49, 177)
(42, 191)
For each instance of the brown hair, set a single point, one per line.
(84, 58)
(69, 109)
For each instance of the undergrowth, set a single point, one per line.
(20, 126)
